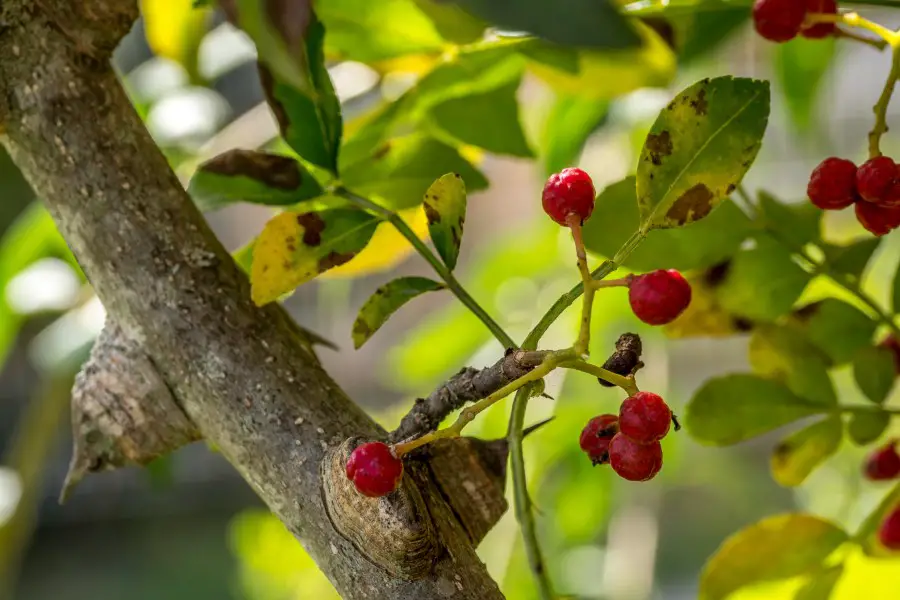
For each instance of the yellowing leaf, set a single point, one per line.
(386, 301)
(703, 317)
(445, 209)
(386, 249)
(174, 29)
(802, 451)
(293, 248)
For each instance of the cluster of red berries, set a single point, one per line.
(883, 465)
(629, 442)
(783, 20)
(874, 189)
(656, 298)
(374, 469)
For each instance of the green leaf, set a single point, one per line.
(310, 122)
(867, 534)
(821, 584)
(385, 302)
(445, 208)
(700, 244)
(699, 149)
(762, 283)
(874, 371)
(775, 548)
(799, 224)
(489, 120)
(800, 67)
(730, 409)
(402, 169)
(852, 258)
(453, 23)
(895, 296)
(801, 452)
(293, 248)
(571, 121)
(781, 355)
(704, 31)
(837, 328)
(249, 176)
(867, 426)
(578, 23)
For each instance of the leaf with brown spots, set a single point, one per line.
(386, 301)
(445, 209)
(248, 176)
(699, 150)
(294, 248)
(796, 456)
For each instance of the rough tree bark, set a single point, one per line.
(241, 374)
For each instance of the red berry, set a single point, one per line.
(883, 463)
(892, 198)
(634, 461)
(889, 533)
(878, 220)
(832, 184)
(875, 177)
(374, 469)
(596, 435)
(659, 297)
(778, 20)
(645, 417)
(893, 344)
(820, 30)
(570, 191)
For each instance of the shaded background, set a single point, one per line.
(188, 527)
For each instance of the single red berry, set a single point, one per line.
(875, 177)
(634, 461)
(778, 20)
(878, 220)
(889, 532)
(883, 463)
(596, 435)
(820, 30)
(832, 184)
(645, 417)
(374, 469)
(893, 344)
(892, 198)
(570, 191)
(659, 297)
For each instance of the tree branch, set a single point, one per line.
(243, 375)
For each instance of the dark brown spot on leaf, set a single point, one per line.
(457, 175)
(334, 259)
(382, 151)
(432, 214)
(291, 19)
(693, 205)
(361, 329)
(806, 312)
(658, 146)
(663, 28)
(716, 274)
(273, 170)
(313, 226)
(291, 248)
(456, 233)
(700, 105)
(743, 325)
(268, 86)
(731, 188)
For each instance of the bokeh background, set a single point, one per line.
(188, 527)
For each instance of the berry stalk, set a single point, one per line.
(626, 383)
(582, 343)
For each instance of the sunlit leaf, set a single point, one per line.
(821, 584)
(797, 455)
(445, 208)
(386, 301)
(837, 328)
(775, 548)
(875, 371)
(800, 66)
(453, 23)
(249, 176)
(174, 30)
(704, 316)
(571, 121)
(699, 149)
(798, 224)
(781, 355)
(293, 248)
(867, 426)
(729, 409)
(867, 534)
(762, 283)
(579, 23)
(700, 244)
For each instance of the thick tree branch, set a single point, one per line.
(242, 374)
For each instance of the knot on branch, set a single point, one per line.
(626, 359)
(469, 385)
(123, 413)
(94, 28)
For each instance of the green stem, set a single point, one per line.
(843, 408)
(626, 383)
(522, 500)
(880, 108)
(425, 252)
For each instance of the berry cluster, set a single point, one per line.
(630, 442)
(884, 465)
(874, 189)
(783, 20)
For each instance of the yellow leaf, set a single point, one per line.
(174, 30)
(703, 317)
(386, 249)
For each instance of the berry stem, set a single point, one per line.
(425, 252)
(880, 108)
(626, 383)
(843, 408)
(878, 44)
(582, 343)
